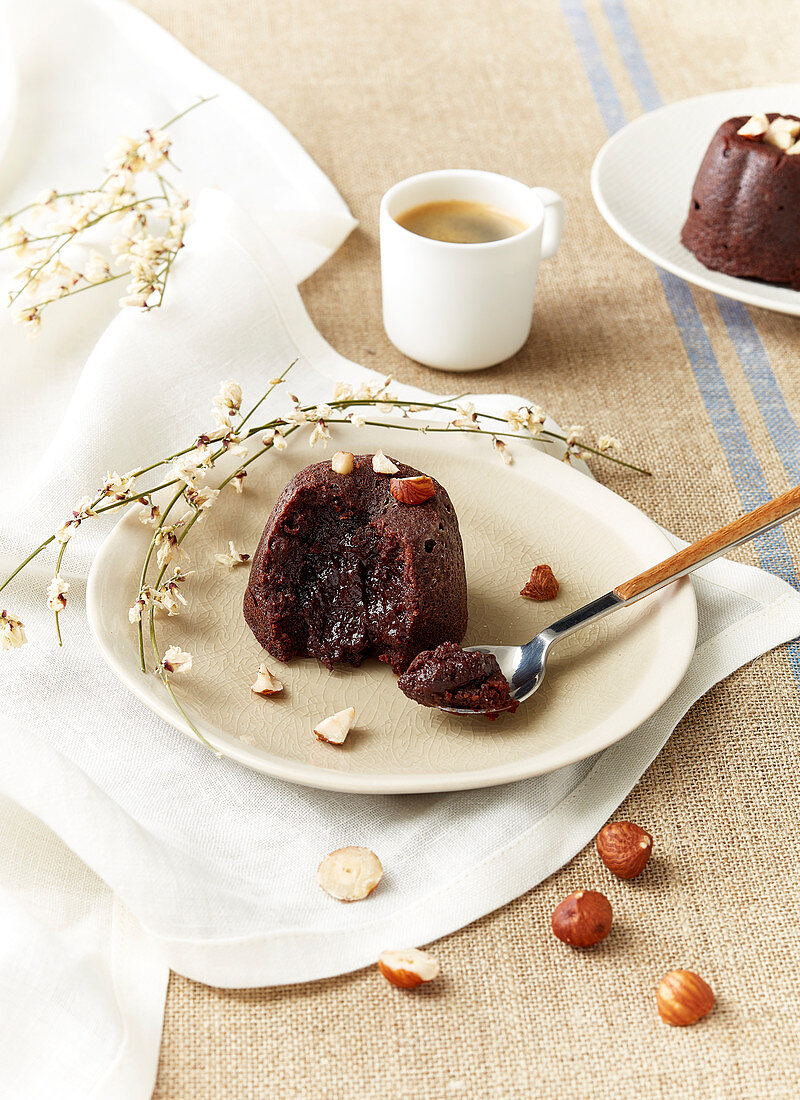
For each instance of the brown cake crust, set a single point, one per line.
(450, 676)
(744, 215)
(344, 571)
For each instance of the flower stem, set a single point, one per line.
(145, 567)
(187, 110)
(59, 559)
(30, 557)
(166, 682)
(264, 396)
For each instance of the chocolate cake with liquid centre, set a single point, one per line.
(344, 571)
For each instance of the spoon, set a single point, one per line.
(524, 666)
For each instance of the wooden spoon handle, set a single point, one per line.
(712, 546)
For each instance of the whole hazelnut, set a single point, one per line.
(582, 919)
(683, 998)
(542, 585)
(625, 848)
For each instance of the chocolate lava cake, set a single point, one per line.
(449, 676)
(744, 217)
(344, 570)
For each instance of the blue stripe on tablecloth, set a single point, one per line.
(771, 403)
(748, 476)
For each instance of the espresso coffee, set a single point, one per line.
(459, 222)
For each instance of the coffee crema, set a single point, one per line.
(456, 221)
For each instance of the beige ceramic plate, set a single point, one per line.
(602, 684)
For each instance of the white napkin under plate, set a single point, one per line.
(128, 848)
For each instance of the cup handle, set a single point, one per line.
(553, 219)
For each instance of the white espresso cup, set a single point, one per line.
(462, 307)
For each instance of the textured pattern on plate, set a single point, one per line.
(537, 510)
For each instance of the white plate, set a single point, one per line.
(642, 183)
(604, 682)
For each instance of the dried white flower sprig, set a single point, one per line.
(231, 433)
(56, 240)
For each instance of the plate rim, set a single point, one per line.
(710, 281)
(315, 776)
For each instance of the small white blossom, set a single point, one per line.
(80, 512)
(154, 150)
(298, 416)
(176, 660)
(12, 236)
(238, 480)
(143, 601)
(202, 499)
(501, 448)
(573, 434)
(535, 420)
(517, 418)
(125, 155)
(45, 198)
(608, 443)
(169, 549)
(119, 485)
(365, 391)
(186, 469)
(168, 596)
(96, 269)
(203, 455)
(234, 558)
(358, 421)
(178, 214)
(12, 632)
(274, 438)
(150, 512)
(83, 509)
(57, 593)
(320, 432)
(222, 418)
(135, 301)
(229, 398)
(31, 318)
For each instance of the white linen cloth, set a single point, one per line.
(128, 848)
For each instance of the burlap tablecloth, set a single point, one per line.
(375, 92)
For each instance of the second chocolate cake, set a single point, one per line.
(744, 216)
(344, 570)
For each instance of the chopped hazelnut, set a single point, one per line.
(265, 683)
(336, 728)
(350, 874)
(383, 465)
(342, 462)
(409, 968)
(755, 127)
